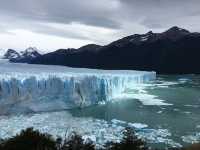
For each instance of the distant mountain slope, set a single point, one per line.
(82, 57)
(174, 51)
(23, 56)
(11, 54)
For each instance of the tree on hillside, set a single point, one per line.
(75, 142)
(29, 139)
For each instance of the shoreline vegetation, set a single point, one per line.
(31, 139)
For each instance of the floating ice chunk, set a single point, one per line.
(147, 99)
(137, 125)
(132, 125)
(115, 121)
(187, 112)
(176, 109)
(160, 112)
(193, 106)
(183, 80)
(195, 138)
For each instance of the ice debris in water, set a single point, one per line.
(63, 124)
(195, 138)
(140, 92)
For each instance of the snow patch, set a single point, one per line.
(144, 38)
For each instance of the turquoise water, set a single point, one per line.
(170, 102)
(165, 112)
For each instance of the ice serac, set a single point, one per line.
(25, 87)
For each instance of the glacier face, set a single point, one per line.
(32, 88)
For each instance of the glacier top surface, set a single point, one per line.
(7, 68)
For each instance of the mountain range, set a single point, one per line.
(22, 56)
(175, 51)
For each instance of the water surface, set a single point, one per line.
(170, 102)
(165, 112)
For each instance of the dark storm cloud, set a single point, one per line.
(125, 16)
(164, 13)
(61, 11)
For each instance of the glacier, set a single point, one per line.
(34, 88)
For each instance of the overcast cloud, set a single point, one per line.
(51, 24)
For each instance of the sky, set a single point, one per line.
(53, 24)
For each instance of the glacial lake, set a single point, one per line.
(165, 112)
(174, 105)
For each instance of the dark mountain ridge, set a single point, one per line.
(175, 51)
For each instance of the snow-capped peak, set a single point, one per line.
(11, 54)
(30, 52)
(31, 49)
(27, 54)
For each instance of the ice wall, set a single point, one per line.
(25, 87)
